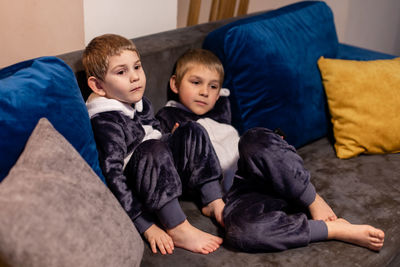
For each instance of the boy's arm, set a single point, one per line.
(166, 122)
(169, 116)
(112, 148)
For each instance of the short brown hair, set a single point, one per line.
(198, 56)
(96, 56)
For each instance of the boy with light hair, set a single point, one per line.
(144, 168)
(268, 204)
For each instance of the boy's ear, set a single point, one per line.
(172, 84)
(96, 86)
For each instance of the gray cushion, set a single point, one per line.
(55, 211)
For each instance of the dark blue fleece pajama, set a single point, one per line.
(145, 170)
(159, 169)
(266, 207)
(267, 204)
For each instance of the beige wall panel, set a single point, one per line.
(33, 28)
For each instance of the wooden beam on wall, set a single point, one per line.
(226, 9)
(214, 10)
(243, 7)
(194, 11)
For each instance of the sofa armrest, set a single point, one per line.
(357, 53)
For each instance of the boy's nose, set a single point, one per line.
(204, 91)
(134, 76)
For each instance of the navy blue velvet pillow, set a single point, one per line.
(270, 62)
(43, 87)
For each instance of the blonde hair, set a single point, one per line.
(198, 56)
(96, 56)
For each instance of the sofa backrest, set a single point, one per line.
(158, 54)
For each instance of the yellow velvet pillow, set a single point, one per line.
(364, 103)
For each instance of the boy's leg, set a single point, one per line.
(270, 176)
(152, 175)
(256, 222)
(156, 181)
(198, 166)
(269, 161)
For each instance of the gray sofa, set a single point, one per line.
(363, 189)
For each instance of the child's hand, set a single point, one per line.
(175, 127)
(159, 238)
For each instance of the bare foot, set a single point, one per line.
(157, 237)
(215, 209)
(188, 237)
(362, 235)
(320, 210)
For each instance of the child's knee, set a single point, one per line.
(255, 139)
(262, 139)
(192, 129)
(152, 148)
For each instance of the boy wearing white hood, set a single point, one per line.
(144, 168)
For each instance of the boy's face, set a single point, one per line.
(199, 89)
(125, 79)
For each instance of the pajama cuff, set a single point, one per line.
(143, 222)
(308, 195)
(210, 191)
(318, 230)
(171, 214)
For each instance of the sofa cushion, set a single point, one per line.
(43, 87)
(271, 68)
(364, 102)
(55, 211)
(352, 52)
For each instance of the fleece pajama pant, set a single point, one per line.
(159, 169)
(267, 204)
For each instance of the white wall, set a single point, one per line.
(129, 18)
(370, 23)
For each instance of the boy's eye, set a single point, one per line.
(196, 82)
(137, 67)
(214, 86)
(120, 72)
